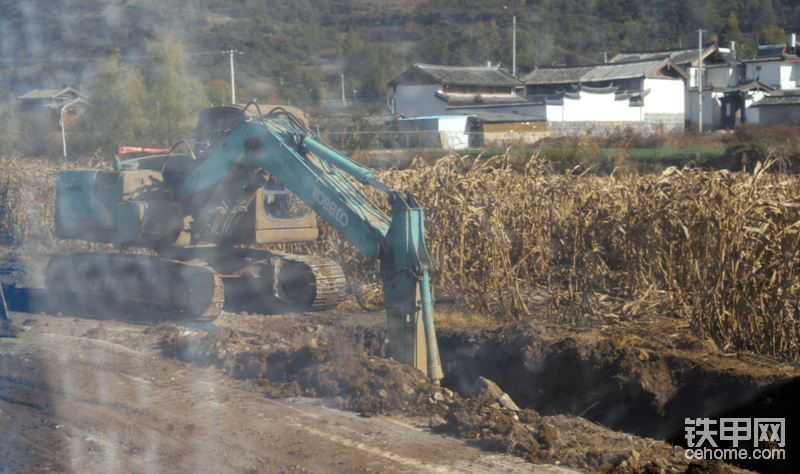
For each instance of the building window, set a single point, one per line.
(758, 68)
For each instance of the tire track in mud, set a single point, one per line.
(106, 401)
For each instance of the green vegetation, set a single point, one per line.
(306, 52)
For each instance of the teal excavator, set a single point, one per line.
(250, 179)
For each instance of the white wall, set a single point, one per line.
(665, 97)
(418, 101)
(789, 76)
(769, 74)
(554, 113)
(751, 113)
(454, 132)
(721, 77)
(596, 107)
(709, 105)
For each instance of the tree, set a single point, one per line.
(370, 64)
(745, 47)
(178, 96)
(773, 35)
(117, 114)
(218, 92)
(730, 31)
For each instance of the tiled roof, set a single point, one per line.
(486, 98)
(500, 117)
(681, 57)
(773, 52)
(557, 74)
(597, 72)
(50, 93)
(793, 99)
(465, 76)
(750, 85)
(67, 103)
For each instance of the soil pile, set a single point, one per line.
(550, 376)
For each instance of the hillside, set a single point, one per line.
(301, 48)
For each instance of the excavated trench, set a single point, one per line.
(630, 389)
(640, 389)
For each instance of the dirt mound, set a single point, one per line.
(309, 361)
(551, 382)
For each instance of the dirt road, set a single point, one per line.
(90, 396)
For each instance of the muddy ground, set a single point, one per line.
(87, 389)
(92, 391)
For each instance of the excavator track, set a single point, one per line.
(182, 289)
(327, 285)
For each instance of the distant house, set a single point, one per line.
(779, 109)
(641, 94)
(777, 67)
(47, 105)
(444, 131)
(720, 79)
(425, 90)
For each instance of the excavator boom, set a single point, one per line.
(202, 212)
(329, 183)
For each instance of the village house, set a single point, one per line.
(47, 106)
(728, 94)
(777, 66)
(425, 90)
(640, 94)
(439, 104)
(643, 90)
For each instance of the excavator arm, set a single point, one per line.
(329, 183)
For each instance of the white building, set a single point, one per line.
(775, 65)
(778, 67)
(727, 95)
(643, 93)
(444, 131)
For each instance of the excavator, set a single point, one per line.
(198, 221)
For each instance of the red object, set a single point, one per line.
(136, 149)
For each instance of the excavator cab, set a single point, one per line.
(212, 122)
(277, 216)
(280, 203)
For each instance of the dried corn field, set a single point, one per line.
(517, 241)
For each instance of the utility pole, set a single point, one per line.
(63, 131)
(514, 48)
(344, 100)
(700, 80)
(63, 134)
(233, 85)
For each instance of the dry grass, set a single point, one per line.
(718, 250)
